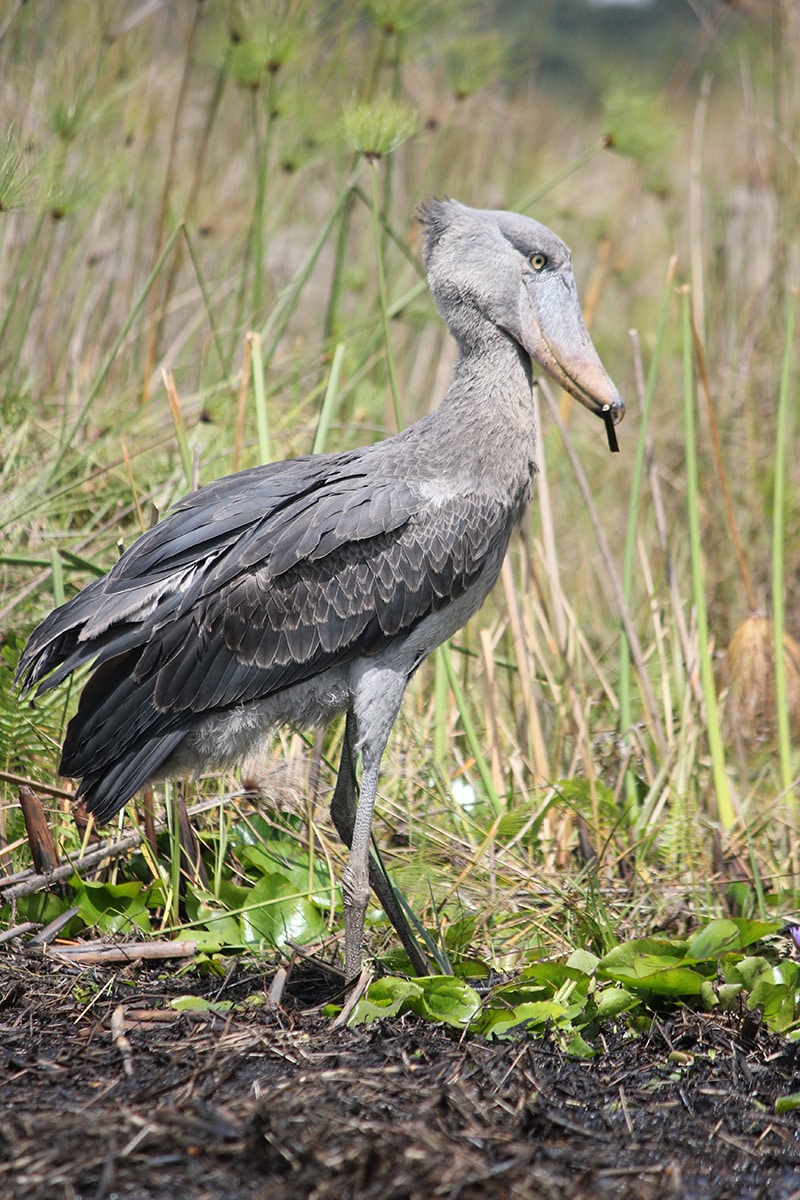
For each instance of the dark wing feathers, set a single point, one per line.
(254, 584)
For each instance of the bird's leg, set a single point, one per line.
(343, 814)
(355, 881)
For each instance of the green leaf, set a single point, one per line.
(728, 995)
(210, 923)
(746, 971)
(43, 907)
(276, 913)
(200, 1004)
(612, 1001)
(447, 999)
(787, 1104)
(385, 998)
(578, 1047)
(535, 1014)
(583, 960)
(776, 994)
(725, 935)
(206, 943)
(655, 965)
(113, 907)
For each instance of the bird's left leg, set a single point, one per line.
(343, 812)
(377, 700)
(355, 881)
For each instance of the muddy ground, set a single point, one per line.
(277, 1104)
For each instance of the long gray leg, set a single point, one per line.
(343, 812)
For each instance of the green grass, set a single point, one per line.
(204, 273)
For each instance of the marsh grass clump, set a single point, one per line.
(749, 675)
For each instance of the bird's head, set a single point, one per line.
(516, 274)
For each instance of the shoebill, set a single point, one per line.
(296, 591)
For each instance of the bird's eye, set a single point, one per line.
(538, 261)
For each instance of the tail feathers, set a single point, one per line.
(115, 643)
(56, 639)
(105, 792)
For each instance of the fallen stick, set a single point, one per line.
(40, 835)
(102, 952)
(119, 1039)
(50, 932)
(17, 931)
(26, 882)
(49, 789)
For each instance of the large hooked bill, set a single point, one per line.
(559, 341)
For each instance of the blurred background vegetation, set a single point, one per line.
(208, 256)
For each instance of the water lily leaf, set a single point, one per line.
(776, 993)
(113, 907)
(275, 912)
(708, 995)
(627, 953)
(746, 971)
(578, 1047)
(724, 935)
(612, 1001)
(206, 942)
(535, 1014)
(656, 965)
(583, 960)
(728, 995)
(216, 925)
(385, 998)
(445, 998)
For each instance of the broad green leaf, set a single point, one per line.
(200, 1004)
(297, 873)
(535, 1014)
(206, 942)
(385, 998)
(276, 913)
(728, 995)
(746, 971)
(445, 998)
(628, 953)
(777, 993)
(552, 975)
(726, 935)
(611, 1001)
(786, 1104)
(578, 1047)
(708, 995)
(257, 830)
(655, 965)
(113, 907)
(583, 960)
(217, 924)
(42, 907)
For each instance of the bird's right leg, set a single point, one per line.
(344, 805)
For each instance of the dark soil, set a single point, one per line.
(277, 1104)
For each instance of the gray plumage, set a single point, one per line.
(298, 590)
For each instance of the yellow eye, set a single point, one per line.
(538, 261)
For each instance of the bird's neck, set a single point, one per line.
(491, 388)
(487, 414)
